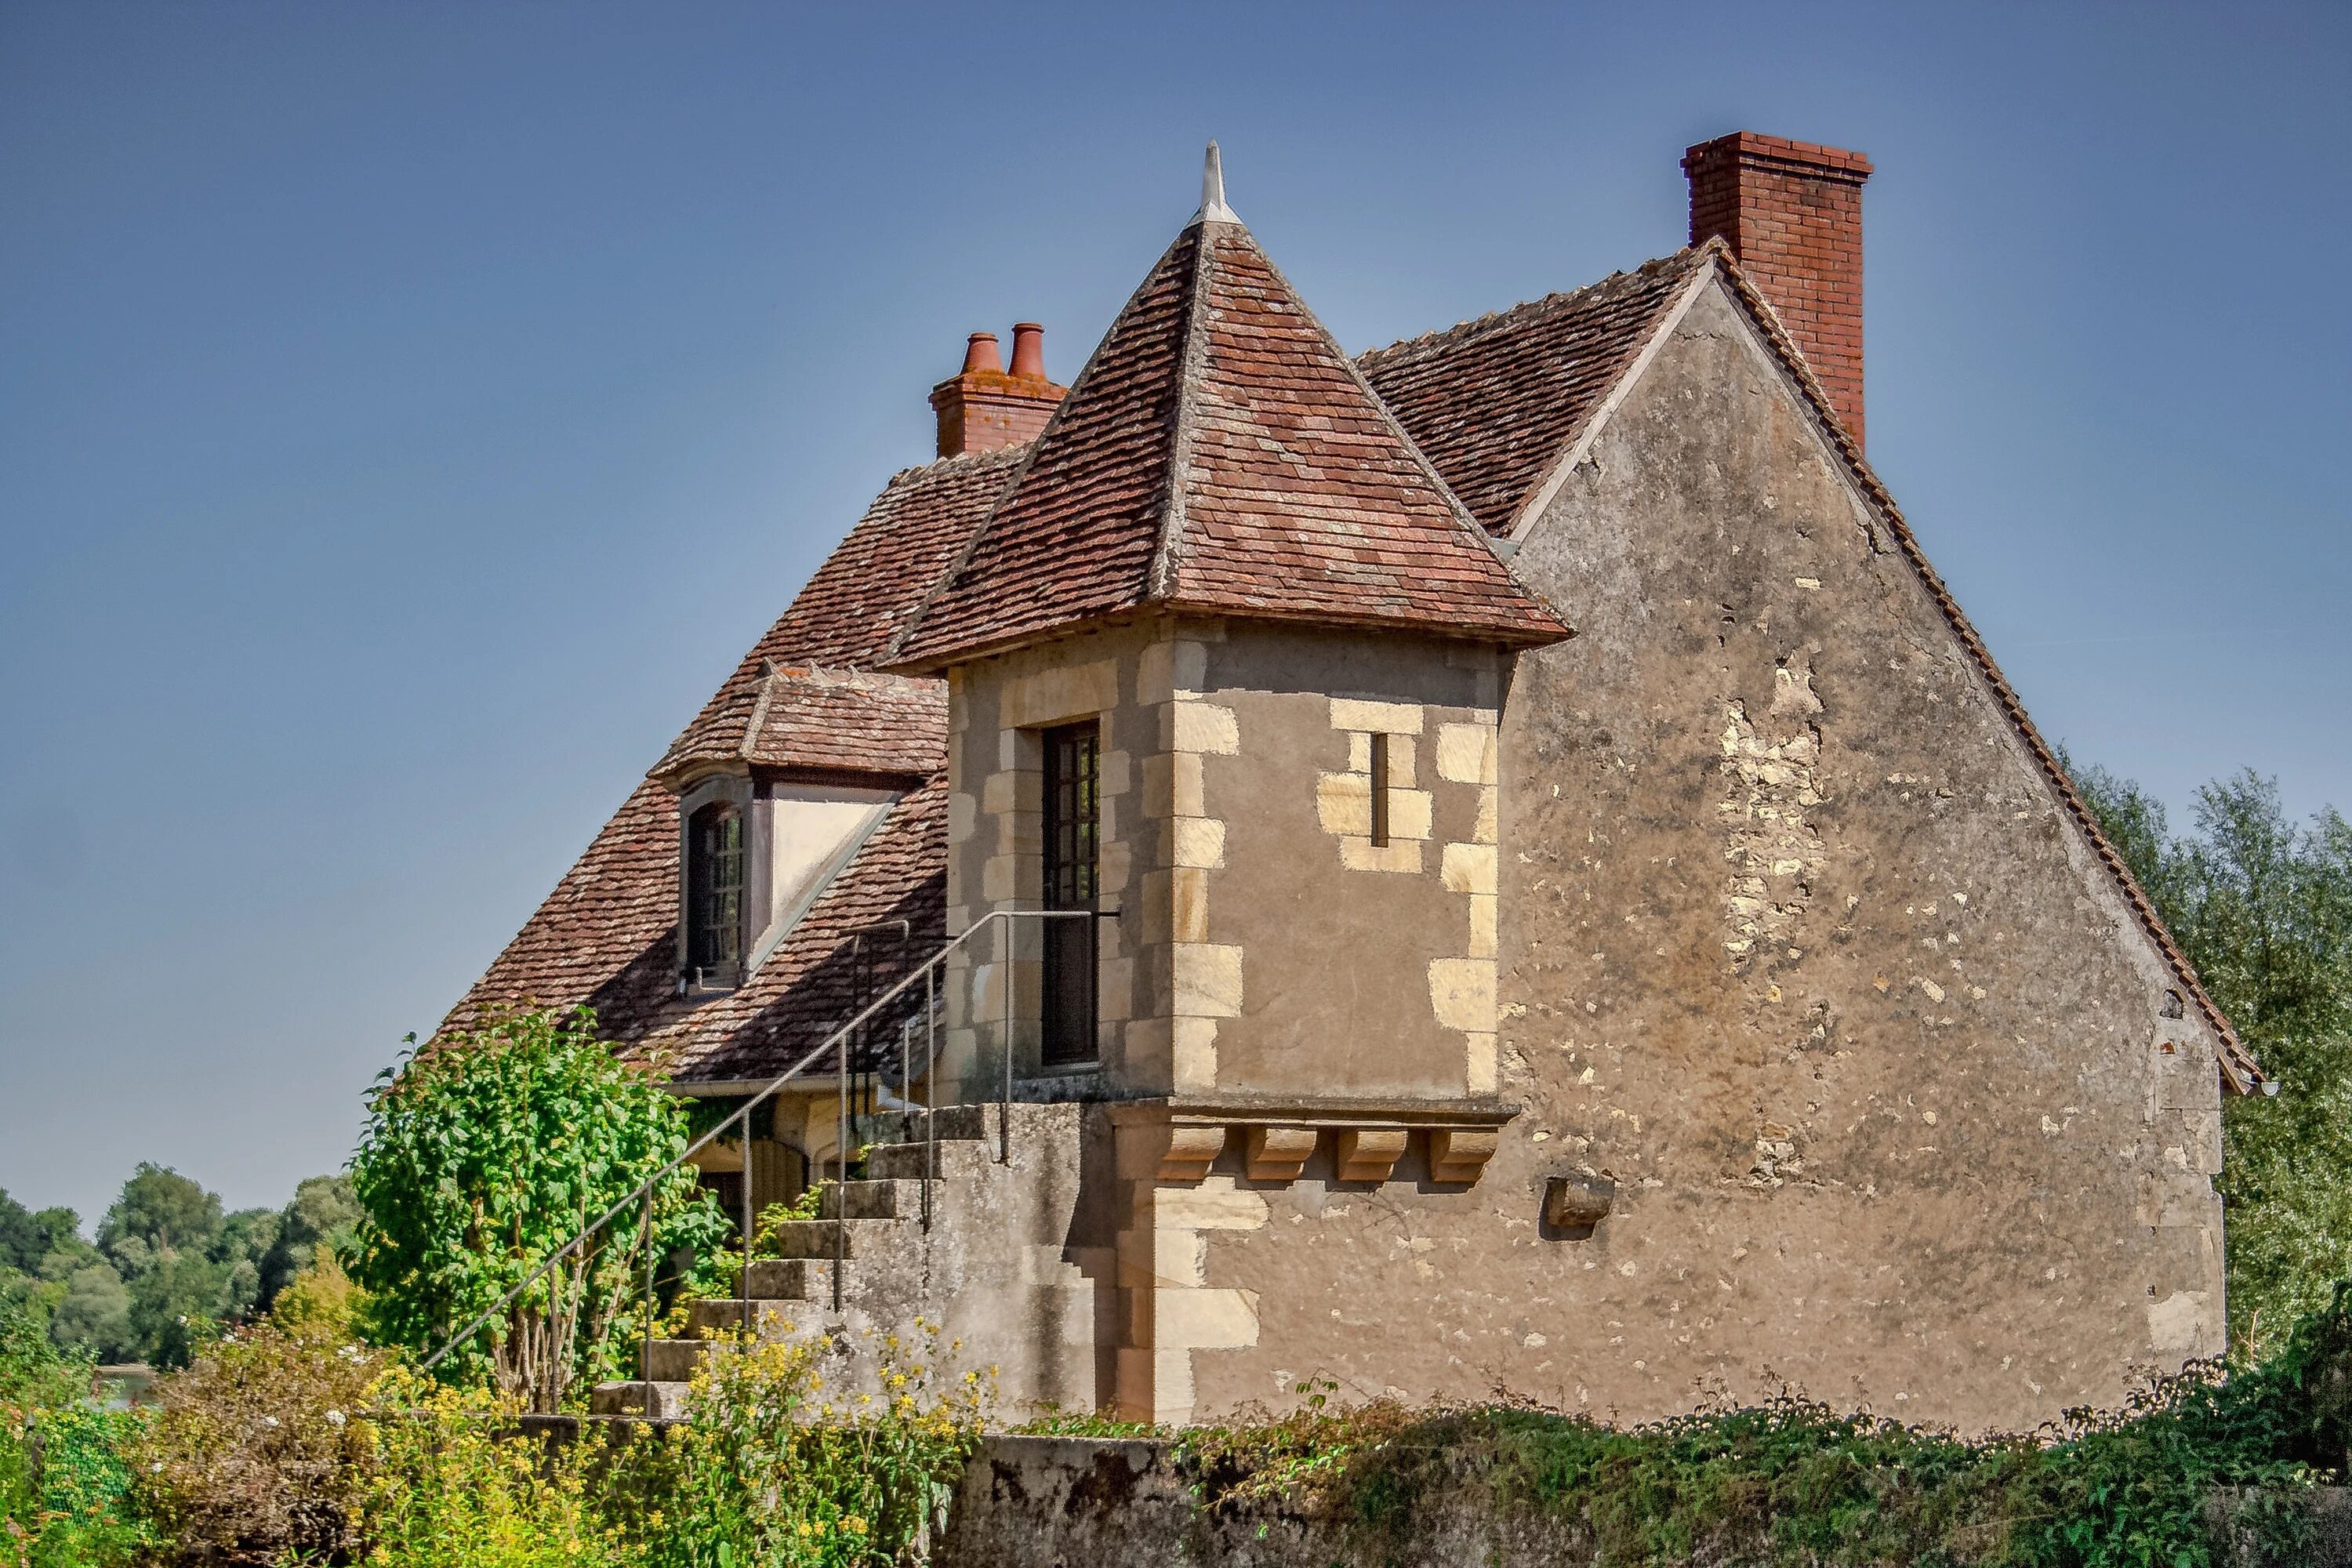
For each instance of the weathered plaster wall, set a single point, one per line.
(1363, 969)
(1797, 944)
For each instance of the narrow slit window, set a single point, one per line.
(1073, 817)
(1380, 789)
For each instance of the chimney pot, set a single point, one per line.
(980, 353)
(1792, 214)
(981, 408)
(1029, 350)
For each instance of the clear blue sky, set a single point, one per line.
(408, 413)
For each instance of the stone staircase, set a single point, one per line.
(936, 1227)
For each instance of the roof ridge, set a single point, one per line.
(2237, 1062)
(1525, 310)
(1160, 572)
(1005, 453)
(912, 624)
(1461, 514)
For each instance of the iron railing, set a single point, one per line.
(928, 972)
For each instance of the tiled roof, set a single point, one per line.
(607, 935)
(805, 716)
(1495, 402)
(2237, 1062)
(1220, 454)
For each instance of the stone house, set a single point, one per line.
(1529, 882)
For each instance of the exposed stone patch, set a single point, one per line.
(1774, 854)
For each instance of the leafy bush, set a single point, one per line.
(257, 1451)
(64, 1478)
(775, 1469)
(1796, 1483)
(484, 1156)
(446, 1490)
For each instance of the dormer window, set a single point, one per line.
(715, 892)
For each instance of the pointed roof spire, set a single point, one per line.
(1213, 191)
(1219, 456)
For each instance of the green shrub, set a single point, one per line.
(484, 1156)
(65, 1477)
(446, 1489)
(775, 1470)
(257, 1451)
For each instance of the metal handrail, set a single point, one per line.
(645, 1189)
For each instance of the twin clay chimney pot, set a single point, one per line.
(984, 407)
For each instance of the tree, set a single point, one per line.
(162, 1211)
(322, 1219)
(93, 1314)
(27, 1236)
(481, 1158)
(2264, 908)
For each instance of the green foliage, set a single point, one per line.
(483, 1157)
(255, 1452)
(2264, 908)
(64, 1477)
(443, 1489)
(170, 1267)
(1793, 1482)
(320, 1222)
(93, 1313)
(775, 1471)
(26, 1236)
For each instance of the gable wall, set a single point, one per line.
(1796, 944)
(1855, 994)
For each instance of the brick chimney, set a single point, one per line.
(984, 406)
(1791, 213)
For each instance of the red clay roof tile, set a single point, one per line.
(1495, 402)
(1220, 454)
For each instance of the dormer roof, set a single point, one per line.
(811, 719)
(1221, 456)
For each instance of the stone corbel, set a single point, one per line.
(1279, 1153)
(1191, 1151)
(1458, 1154)
(1369, 1153)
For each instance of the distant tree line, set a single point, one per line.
(167, 1267)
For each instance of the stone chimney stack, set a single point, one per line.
(1791, 213)
(984, 407)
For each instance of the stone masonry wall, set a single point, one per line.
(1798, 947)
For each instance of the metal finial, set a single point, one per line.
(1213, 191)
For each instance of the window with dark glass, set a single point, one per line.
(1380, 765)
(1071, 832)
(715, 892)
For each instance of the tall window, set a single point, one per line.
(1380, 765)
(1073, 820)
(715, 892)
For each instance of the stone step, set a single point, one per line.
(791, 1278)
(674, 1361)
(872, 1199)
(655, 1401)
(915, 1162)
(822, 1240)
(958, 1123)
(771, 1319)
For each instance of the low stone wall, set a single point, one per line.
(1085, 1502)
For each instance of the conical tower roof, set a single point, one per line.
(1219, 455)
